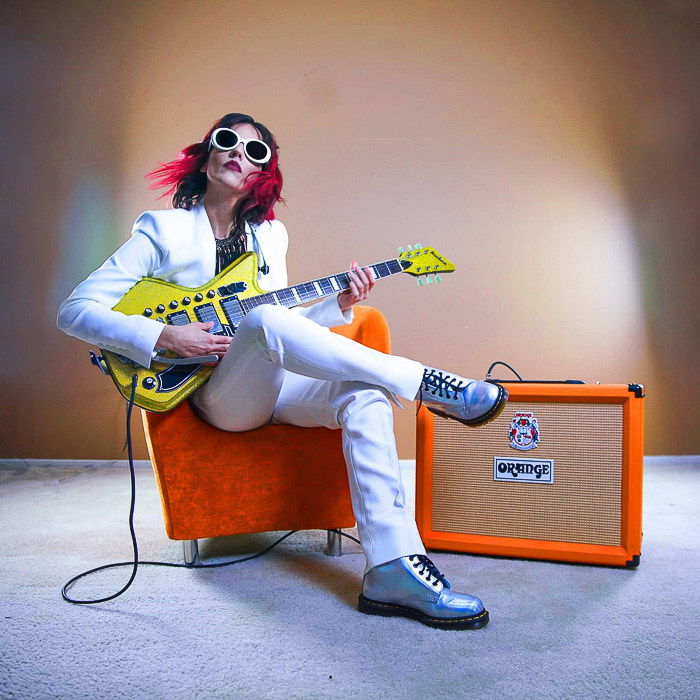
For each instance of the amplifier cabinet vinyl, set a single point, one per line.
(558, 475)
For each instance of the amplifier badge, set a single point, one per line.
(524, 431)
(533, 471)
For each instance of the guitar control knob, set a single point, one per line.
(160, 308)
(186, 301)
(148, 383)
(211, 293)
(148, 312)
(173, 304)
(198, 296)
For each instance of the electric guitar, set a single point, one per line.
(225, 300)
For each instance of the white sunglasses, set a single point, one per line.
(256, 151)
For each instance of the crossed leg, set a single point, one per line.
(284, 368)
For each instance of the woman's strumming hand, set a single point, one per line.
(192, 340)
(361, 283)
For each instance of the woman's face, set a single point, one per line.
(228, 170)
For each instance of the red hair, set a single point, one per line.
(171, 174)
(187, 184)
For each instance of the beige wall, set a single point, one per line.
(549, 149)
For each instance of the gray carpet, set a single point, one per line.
(285, 625)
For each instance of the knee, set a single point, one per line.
(264, 316)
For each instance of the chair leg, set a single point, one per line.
(334, 547)
(190, 550)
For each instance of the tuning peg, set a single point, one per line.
(418, 246)
(429, 279)
(438, 279)
(420, 281)
(409, 248)
(400, 249)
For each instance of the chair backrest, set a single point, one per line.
(369, 327)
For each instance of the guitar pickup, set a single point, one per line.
(179, 318)
(206, 313)
(233, 288)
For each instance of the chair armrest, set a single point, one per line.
(369, 327)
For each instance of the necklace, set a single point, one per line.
(228, 250)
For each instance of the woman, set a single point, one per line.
(285, 366)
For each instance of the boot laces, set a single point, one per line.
(440, 384)
(427, 569)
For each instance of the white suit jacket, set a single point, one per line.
(178, 246)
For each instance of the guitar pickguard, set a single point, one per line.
(174, 377)
(160, 389)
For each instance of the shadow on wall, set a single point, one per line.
(651, 111)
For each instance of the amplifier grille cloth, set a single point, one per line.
(583, 504)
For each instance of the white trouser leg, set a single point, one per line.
(242, 391)
(284, 367)
(365, 415)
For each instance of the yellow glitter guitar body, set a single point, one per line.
(225, 300)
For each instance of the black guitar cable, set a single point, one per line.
(135, 563)
(505, 364)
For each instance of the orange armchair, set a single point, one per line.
(277, 477)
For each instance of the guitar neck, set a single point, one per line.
(317, 289)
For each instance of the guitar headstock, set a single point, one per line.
(424, 262)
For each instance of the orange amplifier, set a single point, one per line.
(558, 475)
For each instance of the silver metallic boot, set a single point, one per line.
(470, 401)
(413, 587)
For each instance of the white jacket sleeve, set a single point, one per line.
(87, 313)
(325, 312)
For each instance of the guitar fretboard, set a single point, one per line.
(318, 288)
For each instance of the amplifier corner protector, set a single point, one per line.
(633, 563)
(637, 389)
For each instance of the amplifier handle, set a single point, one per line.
(520, 380)
(537, 381)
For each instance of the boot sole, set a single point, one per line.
(487, 417)
(375, 607)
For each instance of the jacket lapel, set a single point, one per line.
(204, 241)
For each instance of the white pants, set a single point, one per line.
(284, 368)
